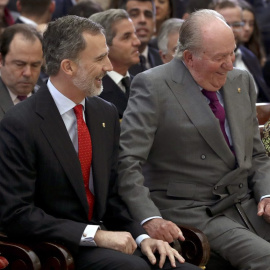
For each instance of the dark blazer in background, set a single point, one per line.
(5, 99)
(42, 190)
(153, 58)
(62, 8)
(253, 65)
(114, 94)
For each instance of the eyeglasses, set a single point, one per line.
(236, 25)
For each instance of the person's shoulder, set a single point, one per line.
(247, 53)
(237, 72)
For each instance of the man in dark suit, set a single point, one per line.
(190, 147)
(58, 160)
(142, 13)
(19, 65)
(244, 58)
(123, 53)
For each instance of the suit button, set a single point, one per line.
(203, 157)
(216, 187)
(240, 185)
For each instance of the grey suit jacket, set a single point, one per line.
(174, 161)
(5, 99)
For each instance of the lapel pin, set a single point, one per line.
(239, 90)
(103, 124)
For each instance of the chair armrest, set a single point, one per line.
(54, 256)
(195, 249)
(20, 257)
(3, 262)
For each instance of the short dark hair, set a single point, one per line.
(28, 31)
(123, 3)
(85, 9)
(34, 7)
(221, 4)
(63, 39)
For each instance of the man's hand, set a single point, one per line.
(149, 246)
(162, 229)
(120, 241)
(264, 209)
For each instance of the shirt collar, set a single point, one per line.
(116, 77)
(63, 103)
(14, 97)
(145, 52)
(27, 21)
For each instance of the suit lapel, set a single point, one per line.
(55, 131)
(235, 108)
(196, 107)
(97, 126)
(5, 99)
(114, 94)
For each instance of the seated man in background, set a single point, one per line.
(21, 58)
(190, 147)
(59, 152)
(123, 53)
(142, 13)
(168, 38)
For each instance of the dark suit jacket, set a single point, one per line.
(18, 20)
(5, 99)
(42, 191)
(253, 65)
(153, 58)
(112, 93)
(62, 8)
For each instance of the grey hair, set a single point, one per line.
(170, 26)
(107, 19)
(190, 35)
(63, 39)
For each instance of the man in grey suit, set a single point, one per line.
(21, 58)
(179, 164)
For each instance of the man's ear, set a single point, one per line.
(162, 56)
(69, 67)
(188, 58)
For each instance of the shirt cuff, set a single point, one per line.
(140, 238)
(147, 219)
(265, 196)
(88, 236)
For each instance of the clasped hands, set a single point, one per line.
(124, 242)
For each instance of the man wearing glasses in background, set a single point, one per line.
(244, 58)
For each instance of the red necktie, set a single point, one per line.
(218, 111)
(85, 155)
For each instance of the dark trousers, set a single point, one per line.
(90, 258)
